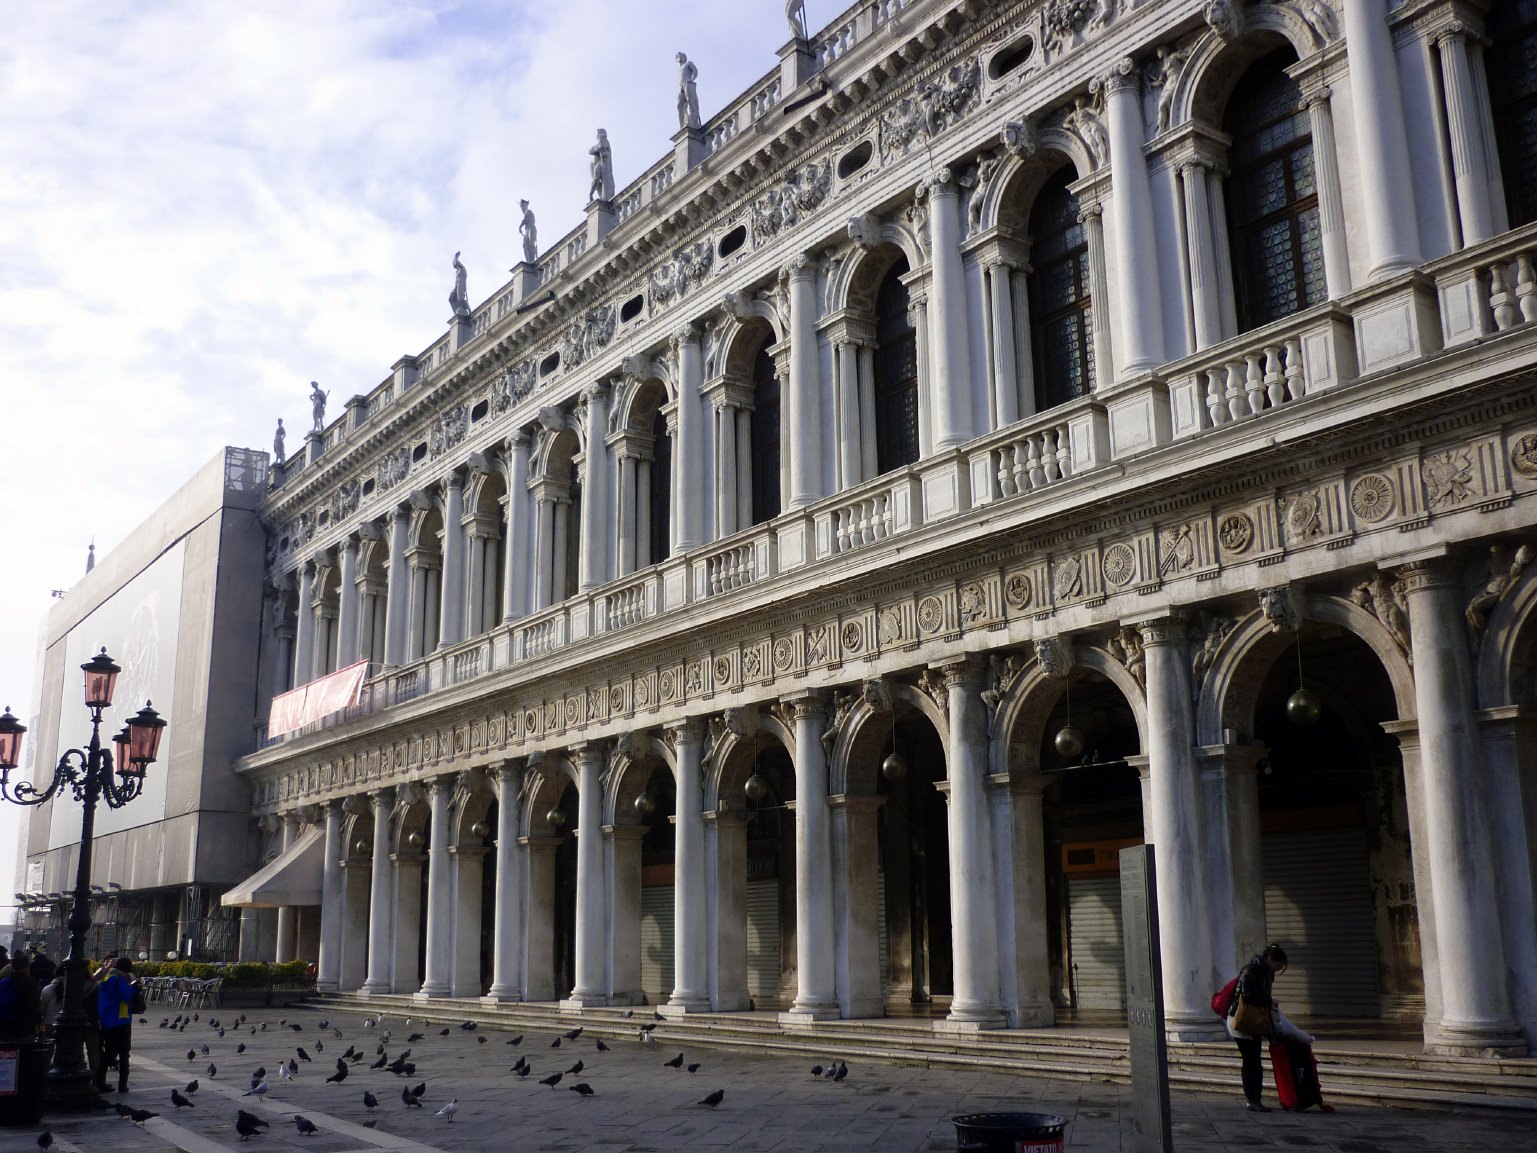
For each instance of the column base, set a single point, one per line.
(1039, 1016)
(1475, 1041)
(738, 1001)
(579, 1001)
(1193, 1032)
(328, 986)
(802, 1016)
(431, 993)
(501, 993)
(374, 989)
(971, 1021)
(684, 1006)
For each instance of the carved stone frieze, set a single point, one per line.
(448, 430)
(1206, 635)
(588, 336)
(1127, 647)
(1384, 599)
(686, 270)
(787, 204)
(1501, 570)
(941, 102)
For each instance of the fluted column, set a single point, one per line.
(507, 954)
(328, 964)
(1092, 217)
(689, 475)
(591, 938)
(1476, 1016)
(348, 605)
(1141, 332)
(1000, 288)
(1331, 202)
(596, 519)
(516, 560)
(381, 902)
(397, 603)
(1205, 300)
(627, 514)
(440, 893)
(950, 388)
(451, 629)
(816, 993)
(691, 979)
(543, 558)
(803, 420)
(1385, 180)
(725, 470)
(1173, 819)
(1470, 165)
(973, 882)
(304, 636)
(850, 469)
(288, 915)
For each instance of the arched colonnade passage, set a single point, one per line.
(928, 838)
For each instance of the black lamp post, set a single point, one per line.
(89, 774)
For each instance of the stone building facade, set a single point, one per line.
(941, 468)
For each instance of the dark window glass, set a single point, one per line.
(1061, 328)
(896, 375)
(574, 536)
(765, 439)
(1511, 60)
(1272, 198)
(661, 491)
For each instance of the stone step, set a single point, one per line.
(1360, 1076)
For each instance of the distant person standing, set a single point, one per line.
(114, 1006)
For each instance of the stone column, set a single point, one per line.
(725, 469)
(868, 456)
(304, 638)
(288, 915)
(856, 904)
(406, 955)
(397, 603)
(328, 964)
(1470, 165)
(381, 899)
(1230, 789)
(802, 420)
(1019, 853)
(816, 992)
(596, 518)
(1331, 202)
(507, 954)
(1092, 218)
(1510, 757)
(689, 471)
(515, 563)
(1385, 180)
(451, 630)
(591, 939)
(691, 980)
(543, 559)
(973, 884)
(743, 417)
(624, 861)
(469, 876)
(1476, 1005)
(475, 597)
(1206, 301)
(348, 605)
(440, 889)
(950, 391)
(726, 840)
(627, 513)
(353, 966)
(1000, 288)
(1173, 819)
(850, 464)
(539, 954)
(1141, 331)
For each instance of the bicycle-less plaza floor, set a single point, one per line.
(639, 1104)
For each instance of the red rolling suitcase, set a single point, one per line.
(1296, 1076)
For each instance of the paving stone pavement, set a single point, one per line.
(641, 1106)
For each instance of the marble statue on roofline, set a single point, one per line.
(688, 92)
(795, 13)
(602, 169)
(459, 298)
(529, 231)
(317, 406)
(278, 439)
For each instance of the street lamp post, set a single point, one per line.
(89, 775)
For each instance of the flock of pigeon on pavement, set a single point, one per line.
(250, 1125)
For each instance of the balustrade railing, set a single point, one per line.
(1489, 288)
(540, 637)
(624, 607)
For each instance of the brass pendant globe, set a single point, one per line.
(1304, 708)
(414, 840)
(644, 805)
(479, 829)
(894, 767)
(756, 788)
(556, 818)
(1068, 742)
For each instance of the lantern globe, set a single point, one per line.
(100, 680)
(10, 740)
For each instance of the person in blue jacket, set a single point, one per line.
(114, 1005)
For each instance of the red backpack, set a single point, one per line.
(1222, 1000)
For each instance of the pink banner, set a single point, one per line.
(309, 703)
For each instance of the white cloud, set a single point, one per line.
(209, 204)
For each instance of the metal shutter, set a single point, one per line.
(656, 943)
(1097, 954)
(763, 939)
(883, 945)
(1318, 907)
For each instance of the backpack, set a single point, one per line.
(1222, 1000)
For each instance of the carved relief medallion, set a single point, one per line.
(722, 670)
(784, 653)
(1120, 565)
(1236, 532)
(817, 639)
(752, 663)
(1303, 515)
(1372, 498)
(1017, 591)
(1067, 580)
(973, 602)
(668, 685)
(1523, 457)
(1448, 478)
(931, 614)
(890, 625)
(853, 637)
(616, 700)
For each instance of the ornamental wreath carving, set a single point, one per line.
(688, 267)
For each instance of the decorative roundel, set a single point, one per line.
(530, 721)
(1120, 565)
(1523, 458)
(931, 614)
(752, 663)
(1302, 514)
(853, 637)
(573, 710)
(1235, 532)
(642, 694)
(668, 684)
(616, 699)
(722, 670)
(1017, 591)
(784, 653)
(973, 601)
(1372, 497)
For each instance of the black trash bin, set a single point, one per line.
(23, 1080)
(1009, 1133)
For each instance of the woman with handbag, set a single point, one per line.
(115, 1002)
(1249, 1021)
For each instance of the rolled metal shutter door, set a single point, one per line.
(1095, 941)
(656, 942)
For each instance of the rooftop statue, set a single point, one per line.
(529, 231)
(317, 406)
(688, 93)
(602, 169)
(459, 298)
(795, 13)
(278, 438)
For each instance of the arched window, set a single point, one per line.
(1062, 332)
(660, 495)
(896, 375)
(1272, 196)
(1512, 66)
(765, 439)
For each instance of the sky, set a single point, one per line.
(209, 203)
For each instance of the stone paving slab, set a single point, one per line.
(772, 1104)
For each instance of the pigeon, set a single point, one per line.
(303, 1056)
(694, 1068)
(297, 1028)
(469, 1026)
(191, 1087)
(404, 1056)
(326, 1024)
(351, 1052)
(831, 1071)
(449, 1110)
(518, 1040)
(372, 1124)
(213, 1071)
(602, 1048)
(337, 1033)
(573, 1034)
(180, 1102)
(380, 1063)
(552, 1080)
(647, 1028)
(204, 1050)
(165, 1022)
(257, 1090)
(341, 1063)
(192, 1054)
(816, 1070)
(247, 1126)
(139, 1116)
(628, 1013)
(647, 1038)
(413, 1038)
(44, 1139)
(337, 1077)
(320, 1046)
(843, 1071)
(122, 1110)
(577, 1068)
(524, 1071)
(482, 1040)
(420, 1090)
(242, 1115)
(657, 1015)
(675, 1063)
(555, 1044)
(410, 1099)
(714, 1098)
(305, 1125)
(582, 1088)
(369, 1100)
(444, 1032)
(240, 1048)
